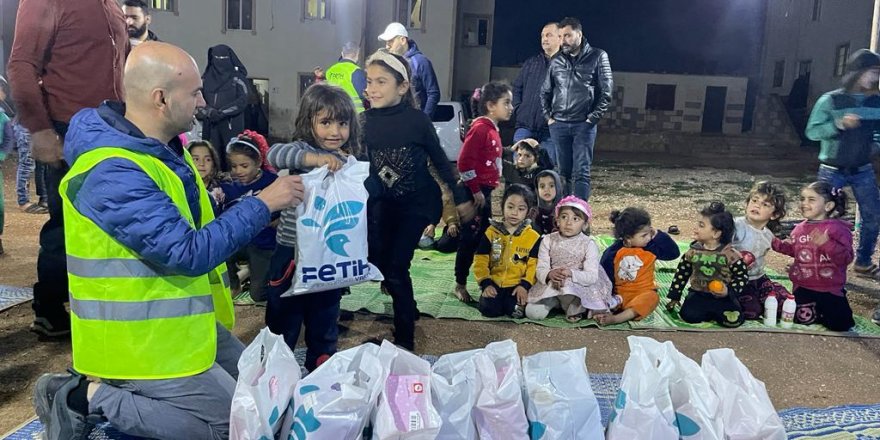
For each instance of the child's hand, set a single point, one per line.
(521, 294)
(557, 276)
(671, 305)
(566, 273)
(479, 200)
(429, 231)
(332, 162)
(849, 121)
(819, 237)
(452, 230)
(490, 292)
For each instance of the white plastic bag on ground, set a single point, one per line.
(643, 408)
(454, 388)
(331, 228)
(560, 403)
(405, 410)
(746, 408)
(267, 374)
(499, 412)
(335, 401)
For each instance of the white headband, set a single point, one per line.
(236, 140)
(391, 60)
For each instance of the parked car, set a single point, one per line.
(450, 121)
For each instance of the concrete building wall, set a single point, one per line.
(280, 48)
(628, 105)
(792, 35)
(472, 63)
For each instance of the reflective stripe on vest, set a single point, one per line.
(131, 319)
(340, 75)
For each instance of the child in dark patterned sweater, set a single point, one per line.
(715, 270)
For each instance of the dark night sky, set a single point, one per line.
(673, 36)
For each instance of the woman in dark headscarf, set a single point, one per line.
(225, 88)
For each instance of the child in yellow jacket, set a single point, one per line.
(506, 258)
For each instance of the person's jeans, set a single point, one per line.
(543, 137)
(574, 149)
(26, 168)
(864, 187)
(50, 290)
(193, 407)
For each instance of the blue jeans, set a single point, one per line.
(864, 187)
(574, 148)
(26, 167)
(543, 137)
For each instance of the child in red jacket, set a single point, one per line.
(822, 247)
(479, 163)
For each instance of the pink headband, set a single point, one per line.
(576, 203)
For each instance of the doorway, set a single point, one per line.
(713, 109)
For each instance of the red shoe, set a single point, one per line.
(321, 359)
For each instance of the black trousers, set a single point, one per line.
(50, 290)
(824, 308)
(502, 305)
(395, 229)
(469, 238)
(704, 306)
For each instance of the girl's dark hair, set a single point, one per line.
(237, 148)
(338, 106)
(490, 92)
(721, 220)
(775, 195)
(214, 156)
(409, 98)
(520, 190)
(831, 194)
(629, 221)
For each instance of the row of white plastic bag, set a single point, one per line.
(487, 394)
(666, 395)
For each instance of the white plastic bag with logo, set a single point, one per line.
(746, 409)
(331, 231)
(643, 407)
(335, 400)
(405, 410)
(267, 374)
(499, 412)
(454, 389)
(560, 403)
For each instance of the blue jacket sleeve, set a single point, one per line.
(144, 219)
(429, 82)
(359, 81)
(663, 247)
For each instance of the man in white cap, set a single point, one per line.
(424, 80)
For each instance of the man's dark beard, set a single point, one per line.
(135, 32)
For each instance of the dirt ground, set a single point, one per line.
(800, 370)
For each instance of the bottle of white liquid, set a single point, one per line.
(770, 307)
(788, 309)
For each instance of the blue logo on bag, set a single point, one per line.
(341, 217)
(304, 421)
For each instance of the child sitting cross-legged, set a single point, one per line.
(506, 258)
(569, 275)
(716, 271)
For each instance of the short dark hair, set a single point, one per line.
(775, 196)
(518, 189)
(721, 220)
(137, 4)
(571, 22)
(628, 222)
(339, 107)
(490, 92)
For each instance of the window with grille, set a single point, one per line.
(840, 56)
(316, 9)
(778, 73)
(163, 5)
(660, 97)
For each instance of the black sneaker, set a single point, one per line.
(60, 422)
(52, 328)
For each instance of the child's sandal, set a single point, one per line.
(575, 318)
(871, 272)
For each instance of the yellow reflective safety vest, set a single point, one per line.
(129, 318)
(340, 74)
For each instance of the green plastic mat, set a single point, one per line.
(433, 281)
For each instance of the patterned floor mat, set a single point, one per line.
(11, 296)
(432, 274)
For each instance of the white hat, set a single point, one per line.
(393, 30)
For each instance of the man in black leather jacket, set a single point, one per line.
(575, 95)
